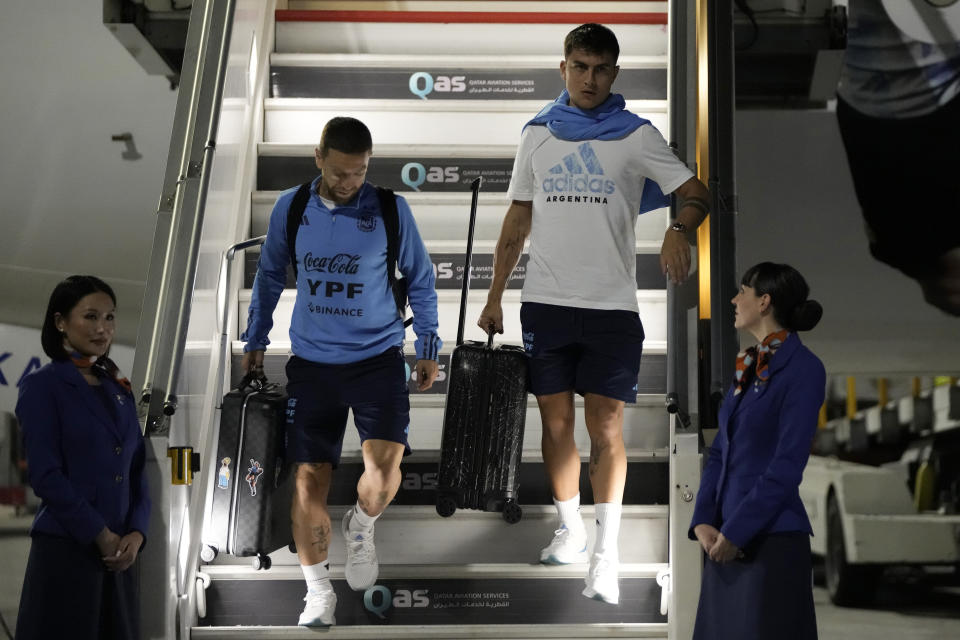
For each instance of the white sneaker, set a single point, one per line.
(362, 565)
(603, 580)
(319, 609)
(565, 548)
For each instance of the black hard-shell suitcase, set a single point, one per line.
(250, 510)
(483, 420)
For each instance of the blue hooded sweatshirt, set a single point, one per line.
(344, 310)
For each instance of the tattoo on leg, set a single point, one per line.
(321, 538)
(363, 504)
(382, 499)
(595, 452)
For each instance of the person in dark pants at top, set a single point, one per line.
(748, 517)
(585, 168)
(347, 340)
(898, 109)
(85, 459)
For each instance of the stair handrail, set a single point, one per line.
(199, 505)
(162, 332)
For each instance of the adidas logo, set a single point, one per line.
(577, 173)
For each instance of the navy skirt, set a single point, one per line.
(68, 593)
(764, 596)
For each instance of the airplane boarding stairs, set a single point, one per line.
(472, 575)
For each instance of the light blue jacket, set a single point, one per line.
(344, 311)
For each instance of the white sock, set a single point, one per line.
(361, 522)
(608, 529)
(317, 576)
(569, 512)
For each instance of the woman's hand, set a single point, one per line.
(706, 535)
(723, 551)
(107, 542)
(126, 552)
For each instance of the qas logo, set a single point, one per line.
(378, 599)
(414, 174)
(422, 84)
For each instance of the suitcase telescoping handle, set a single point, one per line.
(475, 188)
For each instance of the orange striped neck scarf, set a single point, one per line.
(755, 361)
(102, 366)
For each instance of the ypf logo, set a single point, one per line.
(414, 174)
(423, 84)
(378, 599)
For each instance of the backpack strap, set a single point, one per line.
(391, 225)
(294, 220)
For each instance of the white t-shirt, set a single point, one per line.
(585, 196)
(886, 74)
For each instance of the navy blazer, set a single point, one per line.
(751, 482)
(85, 465)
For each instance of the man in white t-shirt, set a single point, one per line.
(584, 169)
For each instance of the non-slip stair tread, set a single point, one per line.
(415, 104)
(430, 601)
(450, 61)
(437, 632)
(455, 571)
(429, 84)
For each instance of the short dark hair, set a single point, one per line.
(788, 293)
(592, 38)
(346, 135)
(64, 298)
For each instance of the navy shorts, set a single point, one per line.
(585, 350)
(320, 395)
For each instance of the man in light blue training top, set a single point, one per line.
(584, 169)
(346, 335)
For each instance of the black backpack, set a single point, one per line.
(391, 225)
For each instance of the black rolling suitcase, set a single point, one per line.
(484, 418)
(250, 510)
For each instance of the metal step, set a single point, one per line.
(417, 535)
(448, 39)
(645, 423)
(441, 215)
(453, 122)
(652, 305)
(483, 596)
(449, 259)
(446, 632)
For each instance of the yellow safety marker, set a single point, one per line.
(183, 464)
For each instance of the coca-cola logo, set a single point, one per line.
(341, 263)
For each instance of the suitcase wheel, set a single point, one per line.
(446, 505)
(208, 553)
(261, 561)
(512, 512)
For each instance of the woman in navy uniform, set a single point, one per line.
(85, 459)
(748, 517)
